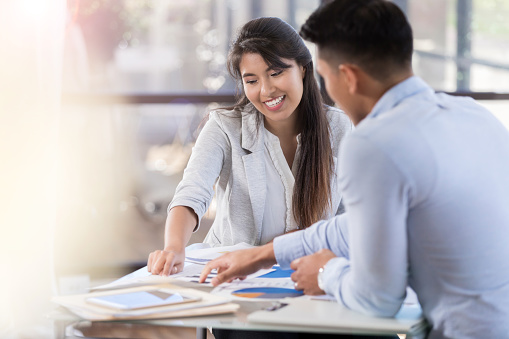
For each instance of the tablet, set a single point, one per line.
(142, 299)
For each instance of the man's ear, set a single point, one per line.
(351, 75)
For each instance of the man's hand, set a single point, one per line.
(306, 271)
(239, 264)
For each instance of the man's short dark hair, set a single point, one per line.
(373, 34)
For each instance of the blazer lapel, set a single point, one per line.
(254, 167)
(335, 194)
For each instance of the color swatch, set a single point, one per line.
(267, 293)
(277, 273)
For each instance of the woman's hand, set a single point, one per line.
(239, 264)
(166, 262)
(180, 223)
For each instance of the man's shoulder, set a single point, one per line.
(395, 133)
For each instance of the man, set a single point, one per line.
(425, 181)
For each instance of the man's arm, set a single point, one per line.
(329, 234)
(377, 194)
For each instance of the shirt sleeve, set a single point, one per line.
(375, 191)
(196, 188)
(331, 234)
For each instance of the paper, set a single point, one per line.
(199, 255)
(272, 284)
(78, 305)
(192, 274)
(194, 312)
(227, 290)
(411, 297)
(410, 300)
(137, 278)
(203, 256)
(323, 297)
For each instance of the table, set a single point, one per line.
(237, 321)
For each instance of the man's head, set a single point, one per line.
(366, 44)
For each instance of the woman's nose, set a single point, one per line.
(268, 88)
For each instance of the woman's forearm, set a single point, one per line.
(180, 223)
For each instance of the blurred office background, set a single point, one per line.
(97, 130)
(140, 75)
(139, 78)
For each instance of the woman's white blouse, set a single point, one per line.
(278, 217)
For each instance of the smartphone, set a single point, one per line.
(142, 299)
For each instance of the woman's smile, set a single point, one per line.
(276, 103)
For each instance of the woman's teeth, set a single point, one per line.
(274, 102)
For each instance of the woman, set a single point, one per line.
(272, 155)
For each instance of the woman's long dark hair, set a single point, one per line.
(274, 39)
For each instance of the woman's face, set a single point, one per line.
(276, 93)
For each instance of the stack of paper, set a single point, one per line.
(197, 255)
(207, 305)
(265, 285)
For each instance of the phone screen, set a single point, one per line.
(141, 299)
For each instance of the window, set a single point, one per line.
(150, 46)
(462, 45)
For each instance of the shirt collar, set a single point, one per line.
(250, 138)
(273, 138)
(398, 93)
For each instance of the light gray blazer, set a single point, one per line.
(230, 149)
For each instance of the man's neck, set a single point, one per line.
(382, 87)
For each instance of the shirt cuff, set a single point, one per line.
(331, 276)
(199, 212)
(288, 247)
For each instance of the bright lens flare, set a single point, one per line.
(31, 9)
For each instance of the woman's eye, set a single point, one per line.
(275, 74)
(250, 82)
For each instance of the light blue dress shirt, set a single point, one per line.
(425, 182)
